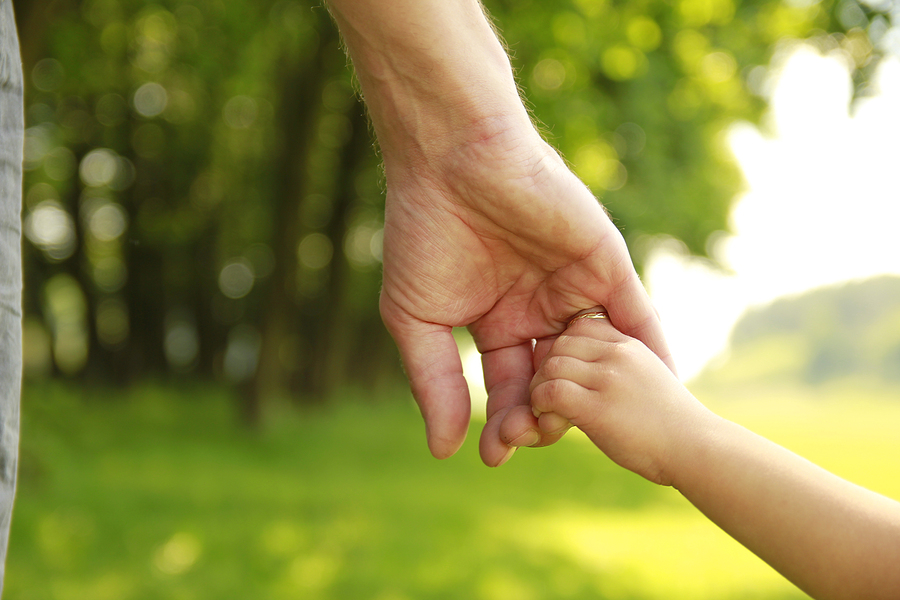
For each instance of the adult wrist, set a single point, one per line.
(433, 74)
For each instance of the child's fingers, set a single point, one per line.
(564, 367)
(565, 399)
(571, 363)
(573, 357)
(588, 340)
(577, 346)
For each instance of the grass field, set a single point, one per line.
(162, 494)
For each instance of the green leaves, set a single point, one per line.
(221, 132)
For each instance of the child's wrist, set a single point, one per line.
(698, 441)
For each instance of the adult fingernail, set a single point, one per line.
(507, 456)
(553, 424)
(529, 438)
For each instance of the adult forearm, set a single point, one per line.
(433, 72)
(831, 538)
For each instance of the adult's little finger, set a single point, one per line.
(521, 427)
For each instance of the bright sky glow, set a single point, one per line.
(822, 205)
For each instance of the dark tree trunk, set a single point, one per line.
(333, 326)
(301, 100)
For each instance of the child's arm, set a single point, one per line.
(831, 538)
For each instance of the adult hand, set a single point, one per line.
(485, 226)
(499, 236)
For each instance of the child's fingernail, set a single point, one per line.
(535, 412)
(507, 456)
(529, 438)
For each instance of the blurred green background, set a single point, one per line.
(212, 408)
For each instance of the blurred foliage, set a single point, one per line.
(202, 197)
(638, 95)
(849, 331)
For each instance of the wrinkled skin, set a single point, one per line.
(497, 234)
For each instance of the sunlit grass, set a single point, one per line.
(849, 427)
(162, 494)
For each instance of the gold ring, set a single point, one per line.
(590, 315)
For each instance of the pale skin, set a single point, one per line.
(485, 225)
(831, 538)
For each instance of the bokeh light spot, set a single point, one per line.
(156, 31)
(315, 251)
(634, 136)
(110, 273)
(314, 572)
(236, 278)
(65, 308)
(108, 222)
(690, 47)
(851, 15)
(98, 167)
(718, 66)
(623, 62)
(242, 353)
(569, 29)
(37, 356)
(182, 340)
(112, 322)
(240, 112)
(549, 74)
(262, 258)
(150, 99)
(697, 13)
(644, 33)
(282, 538)
(48, 75)
(362, 245)
(598, 166)
(51, 228)
(38, 142)
(178, 555)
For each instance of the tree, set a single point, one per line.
(202, 197)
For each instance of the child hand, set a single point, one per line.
(619, 393)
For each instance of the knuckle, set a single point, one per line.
(555, 366)
(556, 388)
(564, 343)
(630, 351)
(605, 352)
(548, 394)
(621, 352)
